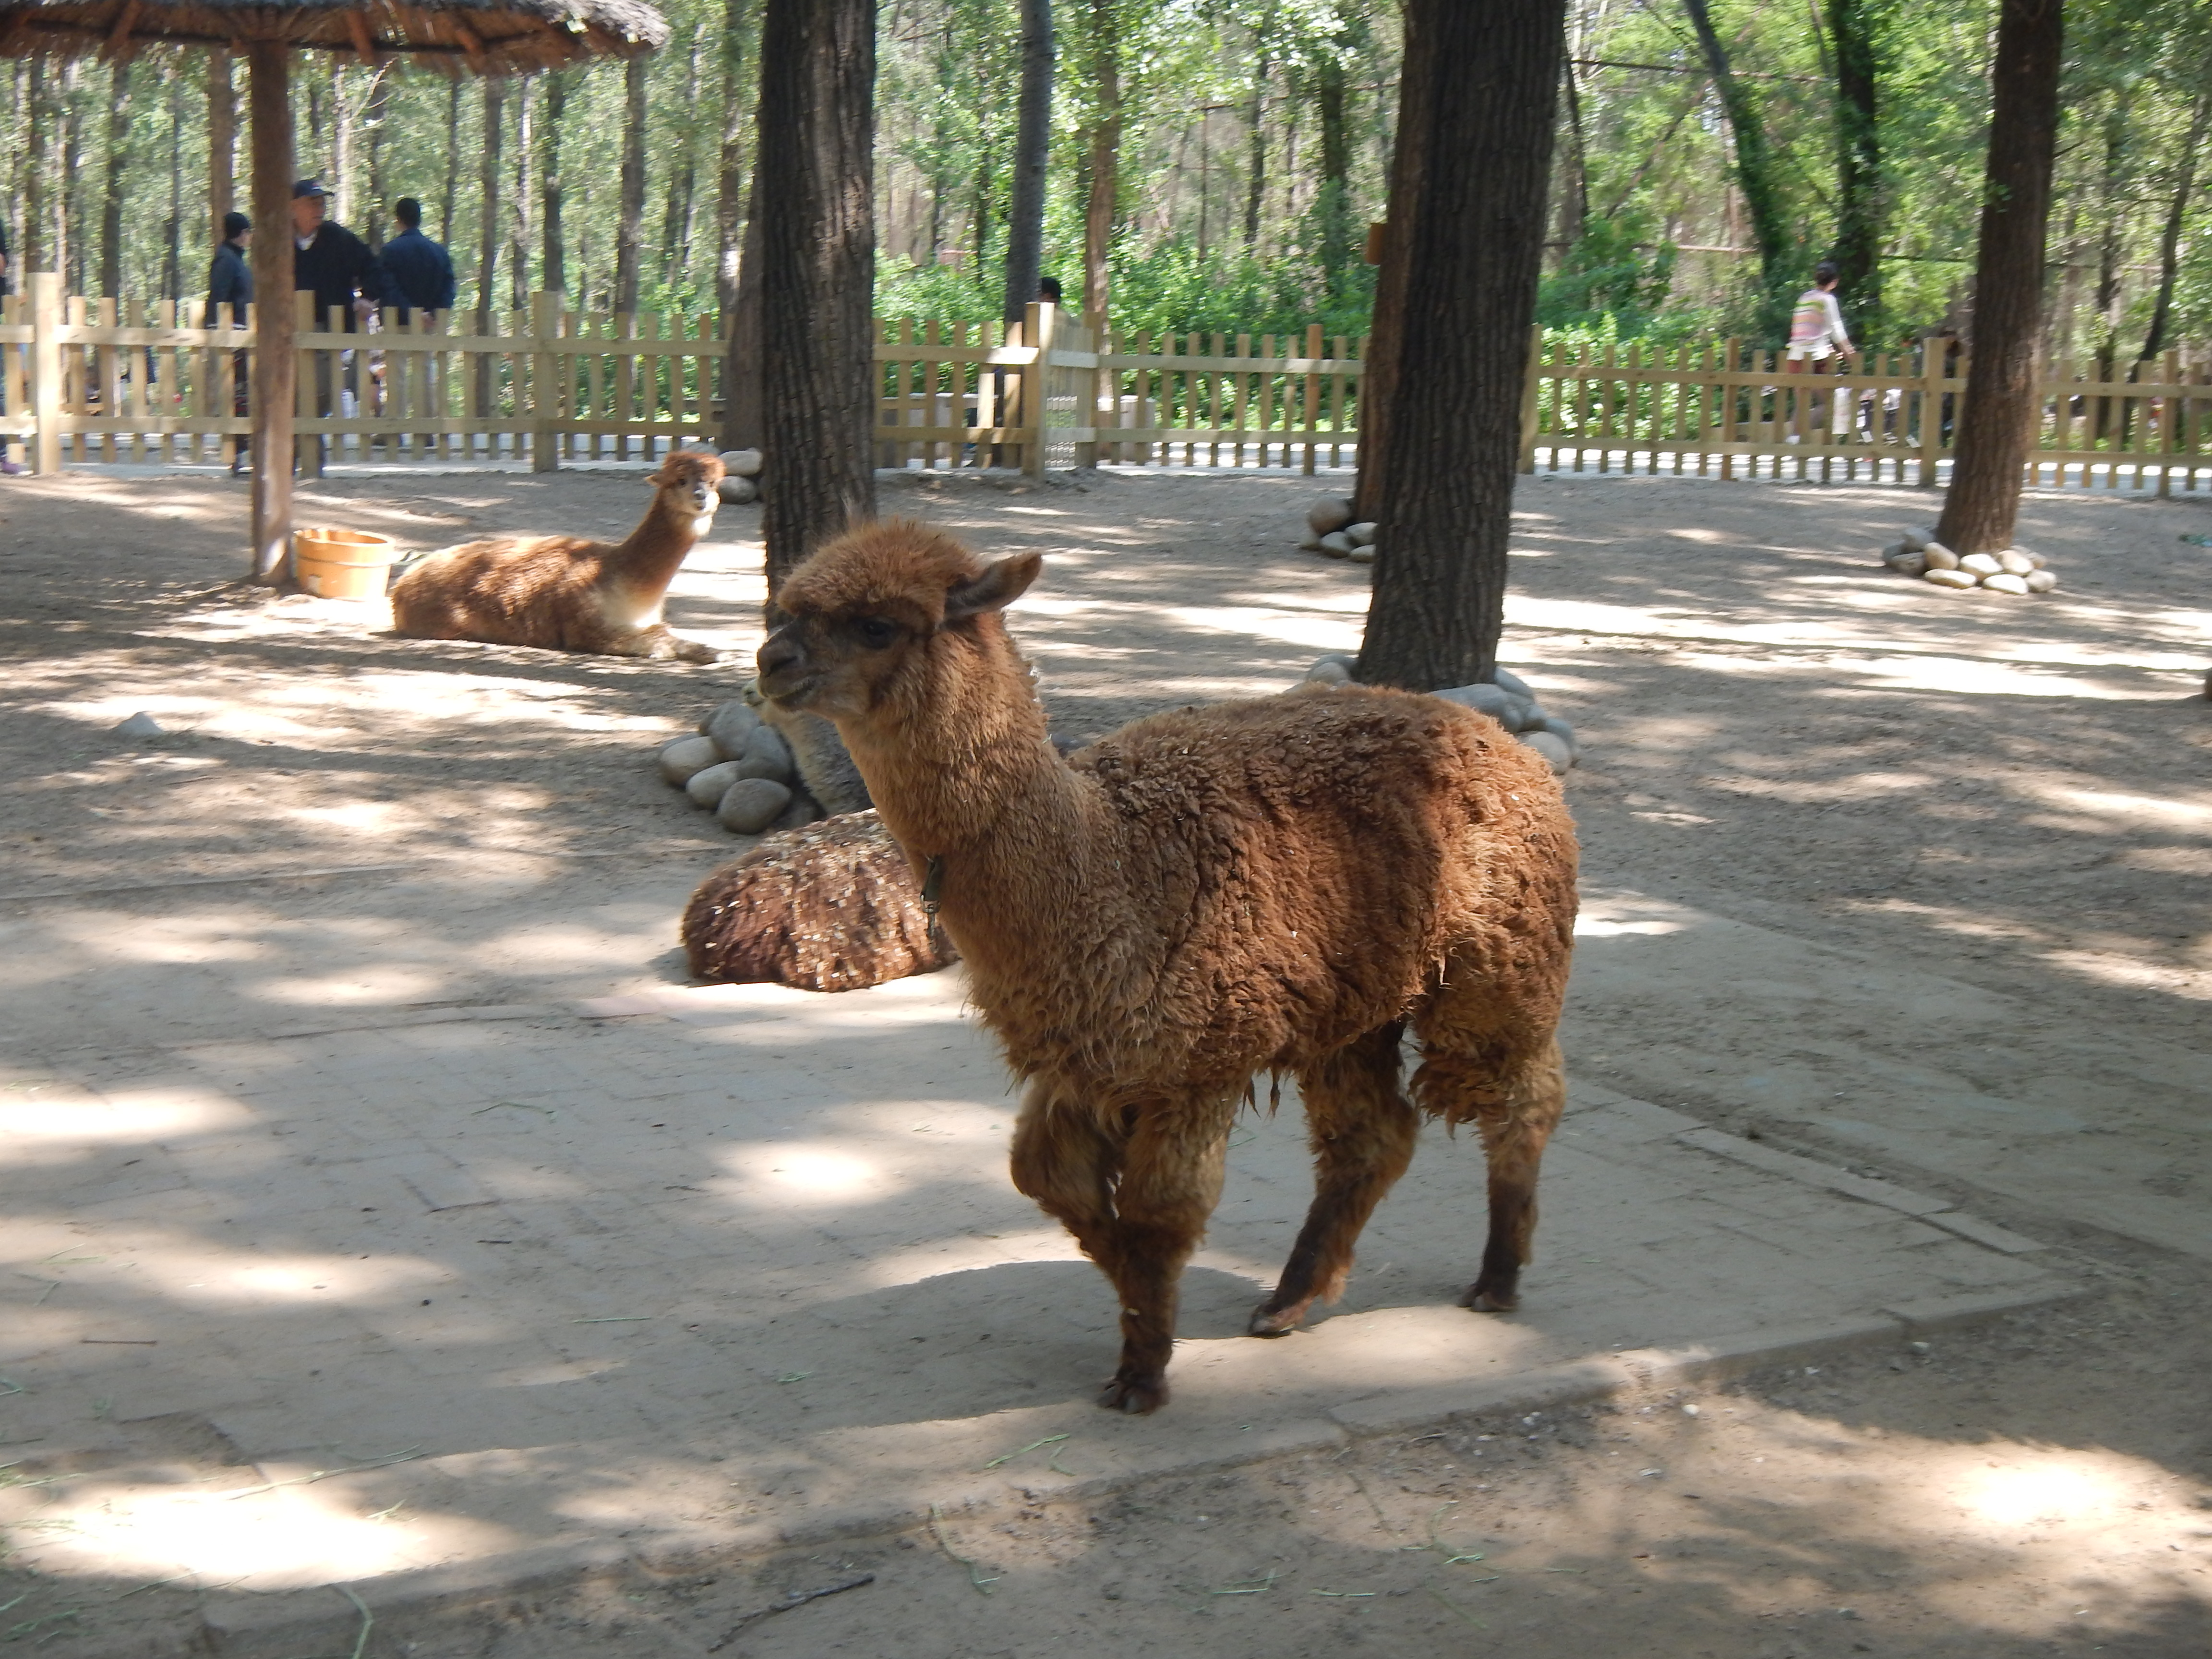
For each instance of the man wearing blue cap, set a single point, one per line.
(338, 266)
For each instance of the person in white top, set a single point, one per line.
(1817, 333)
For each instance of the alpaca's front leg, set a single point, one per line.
(658, 644)
(1171, 1181)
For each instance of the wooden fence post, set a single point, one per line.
(307, 387)
(1931, 412)
(1036, 334)
(1528, 401)
(45, 447)
(545, 382)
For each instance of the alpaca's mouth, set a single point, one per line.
(788, 688)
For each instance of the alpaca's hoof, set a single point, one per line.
(1276, 1321)
(1483, 1299)
(1135, 1395)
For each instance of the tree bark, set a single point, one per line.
(1574, 167)
(488, 182)
(555, 256)
(1102, 208)
(1032, 155)
(452, 163)
(342, 202)
(815, 205)
(118, 181)
(630, 229)
(173, 225)
(1409, 162)
(1861, 209)
(743, 415)
(730, 169)
(222, 141)
(2169, 241)
(525, 152)
(1256, 182)
(1477, 96)
(1332, 205)
(679, 211)
(1756, 174)
(269, 94)
(35, 252)
(2001, 400)
(379, 114)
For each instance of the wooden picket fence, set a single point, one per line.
(88, 381)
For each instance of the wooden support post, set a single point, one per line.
(269, 67)
(1091, 379)
(45, 447)
(545, 377)
(1313, 394)
(1529, 400)
(1931, 412)
(306, 385)
(1037, 332)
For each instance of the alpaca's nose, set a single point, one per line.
(778, 650)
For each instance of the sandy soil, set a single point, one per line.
(2013, 793)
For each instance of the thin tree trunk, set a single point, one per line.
(377, 116)
(678, 221)
(815, 203)
(1477, 96)
(118, 181)
(742, 413)
(452, 163)
(341, 146)
(2110, 245)
(75, 244)
(1032, 155)
(1574, 195)
(729, 164)
(1101, 209)
(1332, 205)
(1862, 209)
(525, 151)
(2169, 241)
(488, 182)
(269, 92)
(629, 238)
(1256, 185)
(555, 253)
(223, 139)
(173, 230)
(2001, 400)
(36, 250)
(1756, 171)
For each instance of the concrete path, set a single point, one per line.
(512, 1289)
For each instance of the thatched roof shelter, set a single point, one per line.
(456, 36)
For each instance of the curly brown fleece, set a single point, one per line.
(1282, 884)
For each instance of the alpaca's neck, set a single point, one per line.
(644, 565)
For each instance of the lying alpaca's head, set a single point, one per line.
(870, 612)
(687, 481)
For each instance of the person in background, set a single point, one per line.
(337, 268)
(421, 270)
(1817, 334)
(230, 282)
(7, 287)
(1049, 288)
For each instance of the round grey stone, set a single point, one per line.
(1981, 564)
(1890, 555)
(709, 784)
(732, 727)
(2015, 562)
(1512, 682)
(1939, 557)
(735, 492)
(803, 810)
(750, 804)
(1915, 541)
(1495, 701)
(1328, 672)
(1361, 556)
(1552, 747)
(1943, 578)
(1363, 533)
(1909, 564)
(1329, 513)
(2005, 582)
(1534, 719)
(2041, 581)
(1336, 544)
(1310, 544)
(140, 724)
(745, 462)
(685, 757)
(767, 756)
(1565, 733)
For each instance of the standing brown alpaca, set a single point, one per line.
(564, 593)
(1283, 885)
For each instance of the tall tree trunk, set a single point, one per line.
(1573, 166)
(223, 139)
(815, 203)
(1858, 28)
(342, 202)
(1333, 204)
(629, 231)
(1101, 208)
(1032, 156)
(1478, 95)
(36, 251)
(2115, 195)
(452, 162)
(525, 152)
(1757, 174)
(744, 415)
(487, 183)
(377, 116)
(730, 163)
(75, 244)
(556, 251)
(118, 181)
(1255, 183)
(2000, 401)
(172, 229)
(677, 223)
(2169, 241)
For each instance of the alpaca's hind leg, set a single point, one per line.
(1362, 1131)
(1171, 1181)
(1516, 1104)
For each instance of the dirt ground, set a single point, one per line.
(2011, 793)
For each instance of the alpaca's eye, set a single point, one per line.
(877, 632)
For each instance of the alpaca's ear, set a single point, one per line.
(999, 587)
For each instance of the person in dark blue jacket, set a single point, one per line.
(422, 271)
(230, 291)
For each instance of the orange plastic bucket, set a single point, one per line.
(342, 564)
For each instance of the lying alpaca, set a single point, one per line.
(833, 906)
(562, 593)
(1283, 884)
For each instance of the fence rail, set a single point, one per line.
(89, 381)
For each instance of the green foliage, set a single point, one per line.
(1611, 273)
